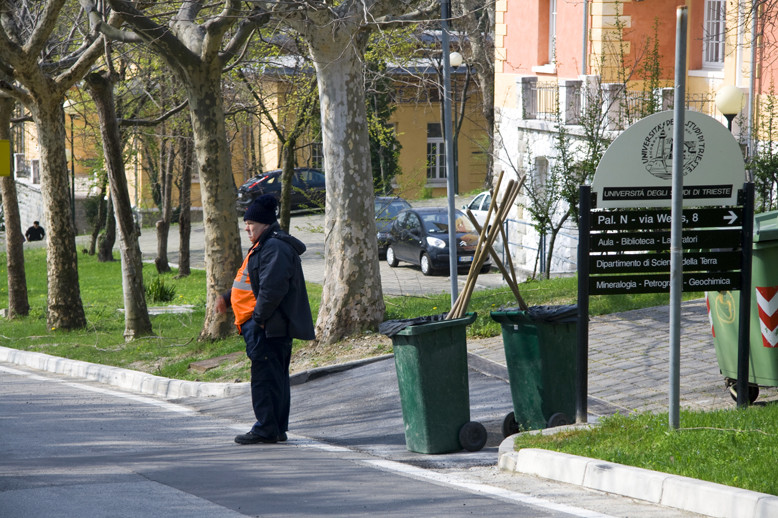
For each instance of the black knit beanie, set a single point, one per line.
(262, 210)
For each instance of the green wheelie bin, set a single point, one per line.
(431, 363)
(724, 311)
(540, 353)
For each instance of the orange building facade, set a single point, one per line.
(560, 61)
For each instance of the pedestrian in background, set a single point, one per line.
(35, 232)
(275, 312)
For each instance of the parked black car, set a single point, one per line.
(420, 236)
(308, 190)
(386, 210)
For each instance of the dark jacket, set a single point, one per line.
(277, 281)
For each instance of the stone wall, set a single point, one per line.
(31, 206)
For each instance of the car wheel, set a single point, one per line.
(426, 264)
(486, 268)
(391, 260)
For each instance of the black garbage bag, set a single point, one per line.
(567, 314)
(392, 327)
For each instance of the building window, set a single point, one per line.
(436, 153)
(17, 131)
(714, 33)
(317, 155)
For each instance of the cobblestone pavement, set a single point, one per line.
(629, 362)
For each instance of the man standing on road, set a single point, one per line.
(275, 311)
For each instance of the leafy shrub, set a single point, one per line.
(159, 291)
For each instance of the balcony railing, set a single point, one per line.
(563, 101)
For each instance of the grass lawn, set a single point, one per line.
(738, 448)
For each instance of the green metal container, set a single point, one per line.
(431, 362)
(541, 360)
(725, 310)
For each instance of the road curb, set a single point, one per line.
(136, 381)
(150, 384)
(688, 494)
(309, 375)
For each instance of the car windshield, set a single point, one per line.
(390, 210)
(265, 179)
(437, 223)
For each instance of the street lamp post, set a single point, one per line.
(450, 187)
(729, 101)
(70, 110)
(455, 60)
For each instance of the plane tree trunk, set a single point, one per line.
(18, 302)
(136, 316)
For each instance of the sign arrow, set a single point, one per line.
(731, 218)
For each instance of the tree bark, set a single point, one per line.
(185, 203)
(107, 239)
(64, 307)
(41, 77)
(287, 174)
(136, 316)
(163, 224)
(18, 302)
(192, 52)
(352, 298)
(100, 220)
(217, 190)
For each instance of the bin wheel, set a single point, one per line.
(753, 390)
(509, 425)
(558, 419)
(472, 436)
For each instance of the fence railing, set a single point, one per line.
(564, 101)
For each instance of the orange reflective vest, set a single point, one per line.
(241, 297)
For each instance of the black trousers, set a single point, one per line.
(270, 392)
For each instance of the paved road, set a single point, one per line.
(75, 448)
(403, 280)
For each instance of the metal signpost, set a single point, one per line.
(655, 221)
(623, 251)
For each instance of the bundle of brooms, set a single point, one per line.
(495, 217)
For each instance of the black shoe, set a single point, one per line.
(282, 437)
(253, 438)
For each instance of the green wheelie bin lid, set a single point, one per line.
(766, 227)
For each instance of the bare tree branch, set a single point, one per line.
(153, 122)
(43, 28)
